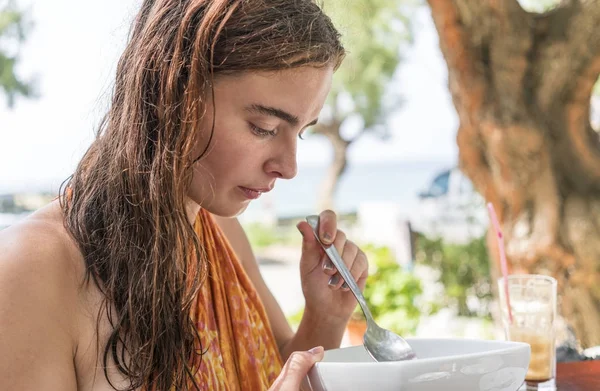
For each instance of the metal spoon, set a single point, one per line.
(381, 344)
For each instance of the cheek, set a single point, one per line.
(232, 150)
(202, 138)
(232, 156)
(223, 161)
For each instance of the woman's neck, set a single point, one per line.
(191, 209)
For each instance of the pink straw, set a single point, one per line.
(503, 264)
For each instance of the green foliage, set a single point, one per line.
(391, 292)
(464, 271)
(372, 32)
(262, 236)
(13, 29)
(295, 318)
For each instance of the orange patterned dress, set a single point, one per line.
(241, 352)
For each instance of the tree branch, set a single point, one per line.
(583, 35)
(569, 43)
(510, 43)
(330, 130)
(467, 84)
(579, 133)
(453, 19)
(584, 38)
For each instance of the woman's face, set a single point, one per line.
(258, 119)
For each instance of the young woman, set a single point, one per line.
(139, 276)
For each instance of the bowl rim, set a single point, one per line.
(508, 347)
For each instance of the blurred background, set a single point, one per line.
(440, 107)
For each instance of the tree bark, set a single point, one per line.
(337, 166)
(521, 84)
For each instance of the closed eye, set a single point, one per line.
(262, 132)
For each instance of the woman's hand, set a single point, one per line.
(326, 295)
(295, 370)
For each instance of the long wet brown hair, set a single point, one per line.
(125, 203)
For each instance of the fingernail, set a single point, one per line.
(316, 350)
(326, 238)
(345, 285)
(327, 265)
(334, 280)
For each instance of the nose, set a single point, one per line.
(283, 163)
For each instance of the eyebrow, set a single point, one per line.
(275, 112)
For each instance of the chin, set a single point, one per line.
(227, 210)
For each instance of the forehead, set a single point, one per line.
(300, 91)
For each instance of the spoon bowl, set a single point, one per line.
(380, 343)
(384, 345)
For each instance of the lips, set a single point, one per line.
(252, 193)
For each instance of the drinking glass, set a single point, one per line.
(532, 300)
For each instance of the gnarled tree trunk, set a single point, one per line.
(521, 84)
(337, 166)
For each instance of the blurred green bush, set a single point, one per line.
(464, 272)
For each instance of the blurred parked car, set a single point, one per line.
(450, 208)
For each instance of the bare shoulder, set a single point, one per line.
(39, 251)
(39, 283)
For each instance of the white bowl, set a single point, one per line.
(442, 364)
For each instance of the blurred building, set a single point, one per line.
(14, 207)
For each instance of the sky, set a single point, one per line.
(72, 52)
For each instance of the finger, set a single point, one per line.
(349, 255)
(327, 265)
(340, 241)
(336, 281)
(327, 226)
(312, 252)
(296, 368)
(362, 281)
(360, 267)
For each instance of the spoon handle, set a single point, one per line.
(339, 264)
